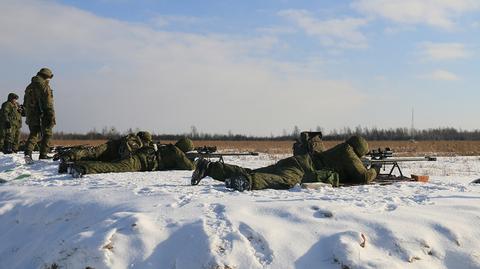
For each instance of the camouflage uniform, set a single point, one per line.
(167, 157)
(282, 175)
(40, 113)
(339, 165)
(114, 149)
(345, 159)
(11, 123)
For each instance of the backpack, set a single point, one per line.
(128, 145)
(308, 143)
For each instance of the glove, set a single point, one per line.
(8, 125)
(21, 110)
(377, 167)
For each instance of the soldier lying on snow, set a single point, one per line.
(338, 165)
(148, 157)
(113, 149)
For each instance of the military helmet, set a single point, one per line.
(45, 72)
(359, 145)
(185, 144)
(145, 136)
(12, 96)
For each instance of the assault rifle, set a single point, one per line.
(379, 159)
(211, 152)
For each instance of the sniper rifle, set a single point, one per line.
(211, 152)
(379, 159)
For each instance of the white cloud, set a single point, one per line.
(444, 51)
(436, 13)
(398, 29)
(276, 30)
(166, 20)
(115, 73)
(442, 75)
(343, 33)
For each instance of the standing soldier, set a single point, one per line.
(10, 123)
(38, 104)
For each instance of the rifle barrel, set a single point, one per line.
(396, 160)
(223, 154)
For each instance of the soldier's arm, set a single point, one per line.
(47, 103)
(3, 115)
(180, 159)
(356, 171)
(7, 109)
(27, 97)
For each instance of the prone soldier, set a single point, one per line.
(112, 150)
(149, 158)
(338, 165)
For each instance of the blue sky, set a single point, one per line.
(255, 67)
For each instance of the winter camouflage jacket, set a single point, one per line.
(10, 113)
(38, 103)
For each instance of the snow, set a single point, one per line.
(157, 220)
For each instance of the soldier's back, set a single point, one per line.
(30, 104)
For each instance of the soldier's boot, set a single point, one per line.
(7, 148)
(200, 171)
(65, 156)
(238, 182)
(76, 171)
(63, 167)
(57, 156)
(28, 157)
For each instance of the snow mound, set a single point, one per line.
(157, 220)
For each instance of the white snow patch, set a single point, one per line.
(157, 220)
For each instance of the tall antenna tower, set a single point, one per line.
(412, 128)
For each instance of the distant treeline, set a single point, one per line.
(368, 133)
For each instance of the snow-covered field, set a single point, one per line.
(157, 220)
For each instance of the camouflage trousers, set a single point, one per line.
(136, 163)
(104, 152)
(2, 137)
(282, 175)
(145, 159)
(10, 138)
(36, 131)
